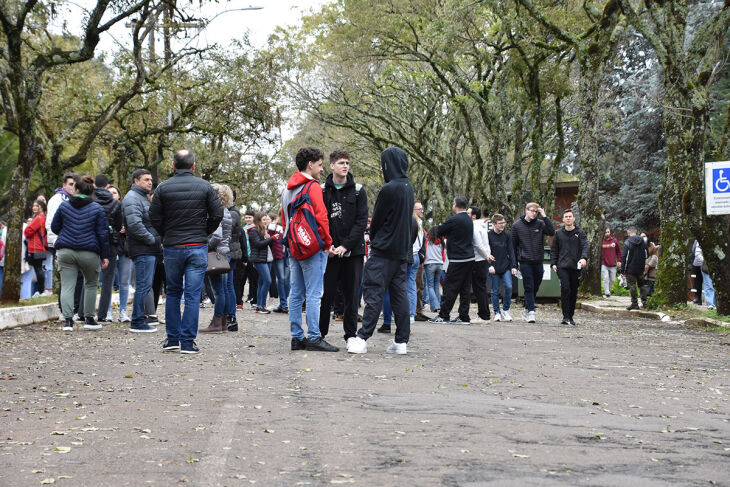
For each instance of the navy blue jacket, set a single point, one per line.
(80, 224)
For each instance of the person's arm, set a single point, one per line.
(361, 222)
(549, 228)
(102, 232)
(445, 228)
(57, 222)
(555, 252)
(257, 240)
(215, 210)
(135, 226)
(618, 253)
(32, 228)
(623, 258)
(584, 250)
(320, 214)
(481, 244)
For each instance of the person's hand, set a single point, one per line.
(491, 270)
(123, 230)
(623, 275)
(514, 272)
(104, 263)
(340, 251)
(555, 268)
(541, 210)
(491, 258)
(583, 263)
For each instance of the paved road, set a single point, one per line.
(608, 403)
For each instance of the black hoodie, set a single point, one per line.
(634, 256)
(113, 210)
(347, 211)
(390, 228)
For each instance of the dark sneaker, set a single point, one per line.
(421, 317)
(565, 321)
(68, 325)
(437, 319)
(170, 345)
(279, 309)
(152, 320)
(142, 328)
(633, 306)
(297, 344)
(572, 322)
(320, 346)
(263, 311)
(232, 324)
(189, 347)
(91, 324)
(384, 329)
(459, 321)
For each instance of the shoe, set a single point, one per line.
(339, 317)
(109, 316)
(525, 315)
(189, 347)
(279, 309)
(710, 307)
(357, 345)
(359, 318)
(36, 295)
(78, 319)
(207, 302)
(239, 307)
(531, 317)
(253, 306)
(232, 324)
(262, 310)
(142, 329)
(384, 329)
(170, 345)
(297, 344)
(91, 324)
(506, 316)
(104, 320)
(47, 293)
(565, 321)
(498, 317)
(152, 320)
(397, 348)
(437, 319)
(124, 317)
(479, 321)
(412, 318)
(68, 325)
(320, 346)
(643, 305)
(572, 322)
(421, 317)
(633, 306)
(217, 325)
(459, 321)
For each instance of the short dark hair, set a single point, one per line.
(567, 210)
(138, 173)
(305, 155)
(476, 212)
(101, 181)
(234, 194)
(85, 185)
(497, 218)
(68, 175)
(461, 202)
(183, 159)
(250, 213)
(338, 154)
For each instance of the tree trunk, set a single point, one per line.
(14, 249)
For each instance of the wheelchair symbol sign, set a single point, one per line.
(721, 180)
(717, 188)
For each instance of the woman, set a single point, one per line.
(219, 242)
(236, 255)
(35, 233)
(261, 257)
(651, 264)
(432, 268)
(281, 265)
(82, 244)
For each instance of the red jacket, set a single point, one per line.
(315, 195)
(35, 232)
(611, 252)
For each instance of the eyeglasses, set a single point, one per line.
(532, 210)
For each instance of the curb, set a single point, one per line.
(707, 321)
(39, 313)
(652, 315)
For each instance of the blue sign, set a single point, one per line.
(721, 180)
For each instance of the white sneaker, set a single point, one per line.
(497, 317)
(36, 295)
(47, 293)
(478, 321)
(109, 316)
(525, 315)
(397, 348)
(506, 316)
(531, 317)
(67, 328)
(123, 317)
(357, 345)
(77, 318)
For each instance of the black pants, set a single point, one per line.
(381, 274)
(568, 290)
(253, 278)
(342, 273)
(697, 271)
(479, 285)
(457, 283)
(632, 280)
(40, 275)
(107, 284)
(158, 282)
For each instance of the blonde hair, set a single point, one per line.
(532, 206)
(225, 194)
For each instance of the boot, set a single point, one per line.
(232, 323)
(216, 325)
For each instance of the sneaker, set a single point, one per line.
(253, 306)
(606, 296)
(531, 317)
(68, 325)
(421, 317)
(397, 348)
(91, 324)
(506, 316)
(320, 345)
(47, 293)
(170, 345)
(239, 307)
(479, 321)
(36, 295)
(297, 344)
(413, 319)
(123, 317)
(572, 322)
(189, 347)
(437, 319)
(232, 324)
(263, 311)
(78, 319)
(357, 345)
(109, 316)
(633, 306)
(339, 317)
(710, 307)
(279, 309)
(207, 302)
(459, 321)
(498, 317)
(384, 329)
(525, 315)
(142, 329)
(152, 320)
(565, 321)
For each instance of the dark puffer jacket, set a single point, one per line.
(236, 231)
(259, 246)
(634, 256)
(142, 238)
(528, 239)
(185, 209)
(80, 224)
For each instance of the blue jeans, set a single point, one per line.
(708, 289)
(411, 283)
(307, 280)
(144, 270)
(188, 263)
(531, 280)
(281, 269)
(230, 291)
(262, 291)
(506, 279)
(2, 276)
(123, 273)
(432, 277)
(219, 283)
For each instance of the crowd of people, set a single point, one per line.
(323, 250)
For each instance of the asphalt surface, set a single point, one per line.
(610, 402)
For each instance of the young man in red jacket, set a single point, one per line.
(307, 275)
(610, 260)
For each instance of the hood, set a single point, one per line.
(79, 202)
(635, 241)
(524, 220)
(62, 192)
(394, 163)
(103, 196)
(349, 182)
(297, 179)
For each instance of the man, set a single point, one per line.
(143, 243)
(307, 274)
(459, 233)
(568, 255)
(184, 211)
(251, 273)
(503, 267)
(482, 257)
(528, 238)
(347, 211)
(390, 246)
(115, 221)
(633, 266)
(416, 305)
(610, 259)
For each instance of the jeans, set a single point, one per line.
(107, 284)
(568, 290)
(230, 289)
(411, 283)
(506, 279)
(432, 276)
(184, 270)
(124, 274)
(262, 291)
(144, 270)
(708, 289)
(2, 276)
(531, 279)
(220, 290)
(608, 276)
(307, 279)
(281, 269)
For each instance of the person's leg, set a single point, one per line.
(574, 281)
(196, 261)
(282, 281)
(507, 289)
(107, 284)
(465, 290)
(239, 280)
(611, 277)
(40, 274)
(313, 270)
(329, 291)
(452, 285)
(48, 270)
(2, 276)
(494, 281)
(373, 292)
(528, 281)
(698, 283)
(564, 276)
(643, 289)
(68, 271)
(124, 268)
(708, 289)
(631, 281)
(264, 282)
(144, 268)
(479, 285)
(352, 270)
(79, 294)
(420, 287)
(230, 289)
(174, 259)
(537, 273)
(253, 278)
(90, 264)
(395, 279)
(218, 283)
(411, 283)
(605, 279)
(387, 309)
(158, 281)
(297, 294)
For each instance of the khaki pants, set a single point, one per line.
(70, 263)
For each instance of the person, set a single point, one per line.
(60, 195)
(651, 264)
(347, 212)
(82, 245)
(123, 268)
(251, 273)
(528, 238)
(307, 275)
(185, 210)
(707, 288)
(236, 256)
(502, 267)
(143, 243)
(391, 243)
(433, 263)
(280, 264)
(459, 233)
(115, 221)
(610, 260)
(480, 269)
(261, 257)
(633, 266)
(568, 255)
(415, 270)
(35, 232)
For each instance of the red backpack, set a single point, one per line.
(302, 237)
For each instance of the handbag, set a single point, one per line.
(217, 264)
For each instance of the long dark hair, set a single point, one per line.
(258, 224)
(433, 236)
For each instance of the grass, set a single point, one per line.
(712, 313)
(32, 301)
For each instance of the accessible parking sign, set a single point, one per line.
(717, 187)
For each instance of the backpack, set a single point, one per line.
(302, 238)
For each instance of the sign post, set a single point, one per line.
(717, 188)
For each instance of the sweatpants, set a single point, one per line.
(479, 275)
(568, 290)
(70, 262)
(381, 274)
(342, 273)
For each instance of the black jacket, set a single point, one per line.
(236, 233)
(459, 233)
(259, 246)
(634, 256)
(528, 239)
(347, 211)
(142, 238)
(390, 227)
(568, 248)
(502, 251)
(113, 210)
(185, 209)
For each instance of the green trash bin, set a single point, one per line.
(550, 287)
